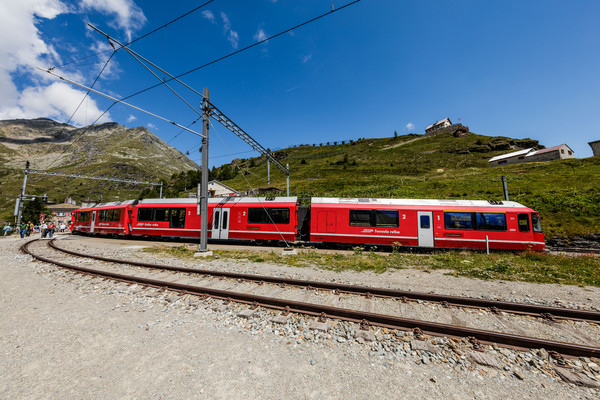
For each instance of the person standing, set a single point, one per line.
(44, 229)
(29, 229)
(23, 229)
(51, 228)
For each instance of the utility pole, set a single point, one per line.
(287, 177)
(22, 195)
(203, 250)
(505, 187)
(268, 172)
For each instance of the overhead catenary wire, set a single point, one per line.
(238, 51)
(120, 101)
(141, 37)
(76, 109)
(214, 111)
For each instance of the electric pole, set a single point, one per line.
(203, 250)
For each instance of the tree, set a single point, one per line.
(395, 134)
(33, 209)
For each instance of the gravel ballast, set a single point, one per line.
(69, 336)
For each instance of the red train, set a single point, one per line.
(473, 224)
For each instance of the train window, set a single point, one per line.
(536, 222)
(177, 218)
(145, 214)
(109, 215)
(386, 218)
(268, 215)
(523, 220)
(161, 214)
(360, 218)
(425, 222)
(83, 216)
(491, 221)
(216, 220)
(458, 220)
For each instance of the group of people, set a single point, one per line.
(46, 228)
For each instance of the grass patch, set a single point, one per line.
(524, 267)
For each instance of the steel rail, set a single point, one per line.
(387, 321)
(518, 308)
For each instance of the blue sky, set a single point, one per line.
(504, 68)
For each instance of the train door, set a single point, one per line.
(425, 224)
(220, 227)
(93, 222)
(326, 221)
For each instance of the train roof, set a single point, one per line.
(110, 204)
(417, 202)
(223, 200)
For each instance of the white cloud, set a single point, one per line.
(54, 101)
(260, 35)
(131, 118)
(232, 36)
(306, 58)
(410, 126)
(151, 126)
(234, 39)
(129, 17)
(209, 15)
(28, 93)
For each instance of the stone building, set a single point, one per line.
(595, 145)
(438, 125)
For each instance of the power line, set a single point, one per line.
(239, 51)
(76, 109)
(141, 37)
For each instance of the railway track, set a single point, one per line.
(282, 294)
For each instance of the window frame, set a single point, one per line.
(521, 227)
(487, 226)
(269, 215)
(392, 216)
(536, 223)
(459, 228)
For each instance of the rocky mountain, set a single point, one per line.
(107, 149)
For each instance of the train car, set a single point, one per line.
(104, 219)
(474, 224)
(244, 218)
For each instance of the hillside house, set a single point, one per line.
(510, 158)
(595, 145)
(218, 189)
(438, 125)
(559, 152)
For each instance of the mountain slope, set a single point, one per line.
(109, 150)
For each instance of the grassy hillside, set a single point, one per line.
(566, 192)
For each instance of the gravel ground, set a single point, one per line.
(69, 336)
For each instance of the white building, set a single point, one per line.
(218, 189)
(559, 152)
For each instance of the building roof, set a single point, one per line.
(594, 141)
(511, 155)
(548, 150)
(62, 206)
(439, 123)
